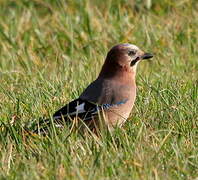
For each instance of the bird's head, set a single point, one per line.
(126, 57)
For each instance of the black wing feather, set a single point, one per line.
(70, 111)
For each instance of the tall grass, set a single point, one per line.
(51, 50)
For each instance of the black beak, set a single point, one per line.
(147, 56)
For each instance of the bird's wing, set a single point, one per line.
(83, 109)
(77, 108)
(80, 108)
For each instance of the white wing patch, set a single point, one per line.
(80, 108)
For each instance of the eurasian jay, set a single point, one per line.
(112, 95)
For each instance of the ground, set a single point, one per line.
(50, 50)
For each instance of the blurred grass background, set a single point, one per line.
(50, 50)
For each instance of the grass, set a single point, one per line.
(51, 50)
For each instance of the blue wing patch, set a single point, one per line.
(107, 106)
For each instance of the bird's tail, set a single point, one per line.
(44, 126)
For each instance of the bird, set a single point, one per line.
(111, 96)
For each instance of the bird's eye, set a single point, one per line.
(131, 52)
